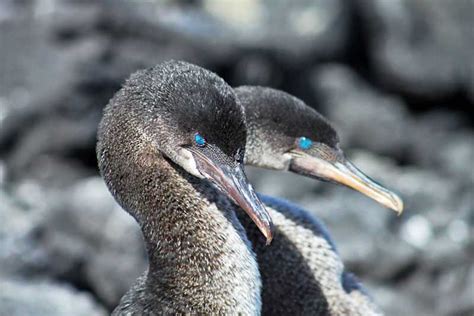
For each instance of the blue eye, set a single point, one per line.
(305, 143)
(199, 140)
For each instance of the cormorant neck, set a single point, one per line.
(200, 260)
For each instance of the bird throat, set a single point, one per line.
(200, 260)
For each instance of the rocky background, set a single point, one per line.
(395, 76)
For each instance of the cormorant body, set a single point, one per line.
(302, 272)
(157, 164)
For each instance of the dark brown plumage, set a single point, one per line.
(302, 272)
(200, 260)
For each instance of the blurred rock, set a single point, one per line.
(256, 69)
(286, 185)
(41, 88)
(20, 254)
(44, 298)
(294, 31)
(438, 301)
(76, 234)
(421, 48)
(384, 122)
(86, 234)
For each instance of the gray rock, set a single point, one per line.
(77, 234)
(450, 293)
(297, 31)
(44, 97)
(421, 48)
(18, 251)
(44, 298)
(385, 123)
(88, 237)
(285, 185)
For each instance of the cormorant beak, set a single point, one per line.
(232, 181)
(331, 165)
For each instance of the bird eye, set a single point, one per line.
(305, 143)
(199, 140)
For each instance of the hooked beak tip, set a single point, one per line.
(269, 235)
(397, 204)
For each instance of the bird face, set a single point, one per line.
(208, 161)
(190, 116)
(286, 134)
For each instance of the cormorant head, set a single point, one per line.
(283, 133)
(185, 114)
